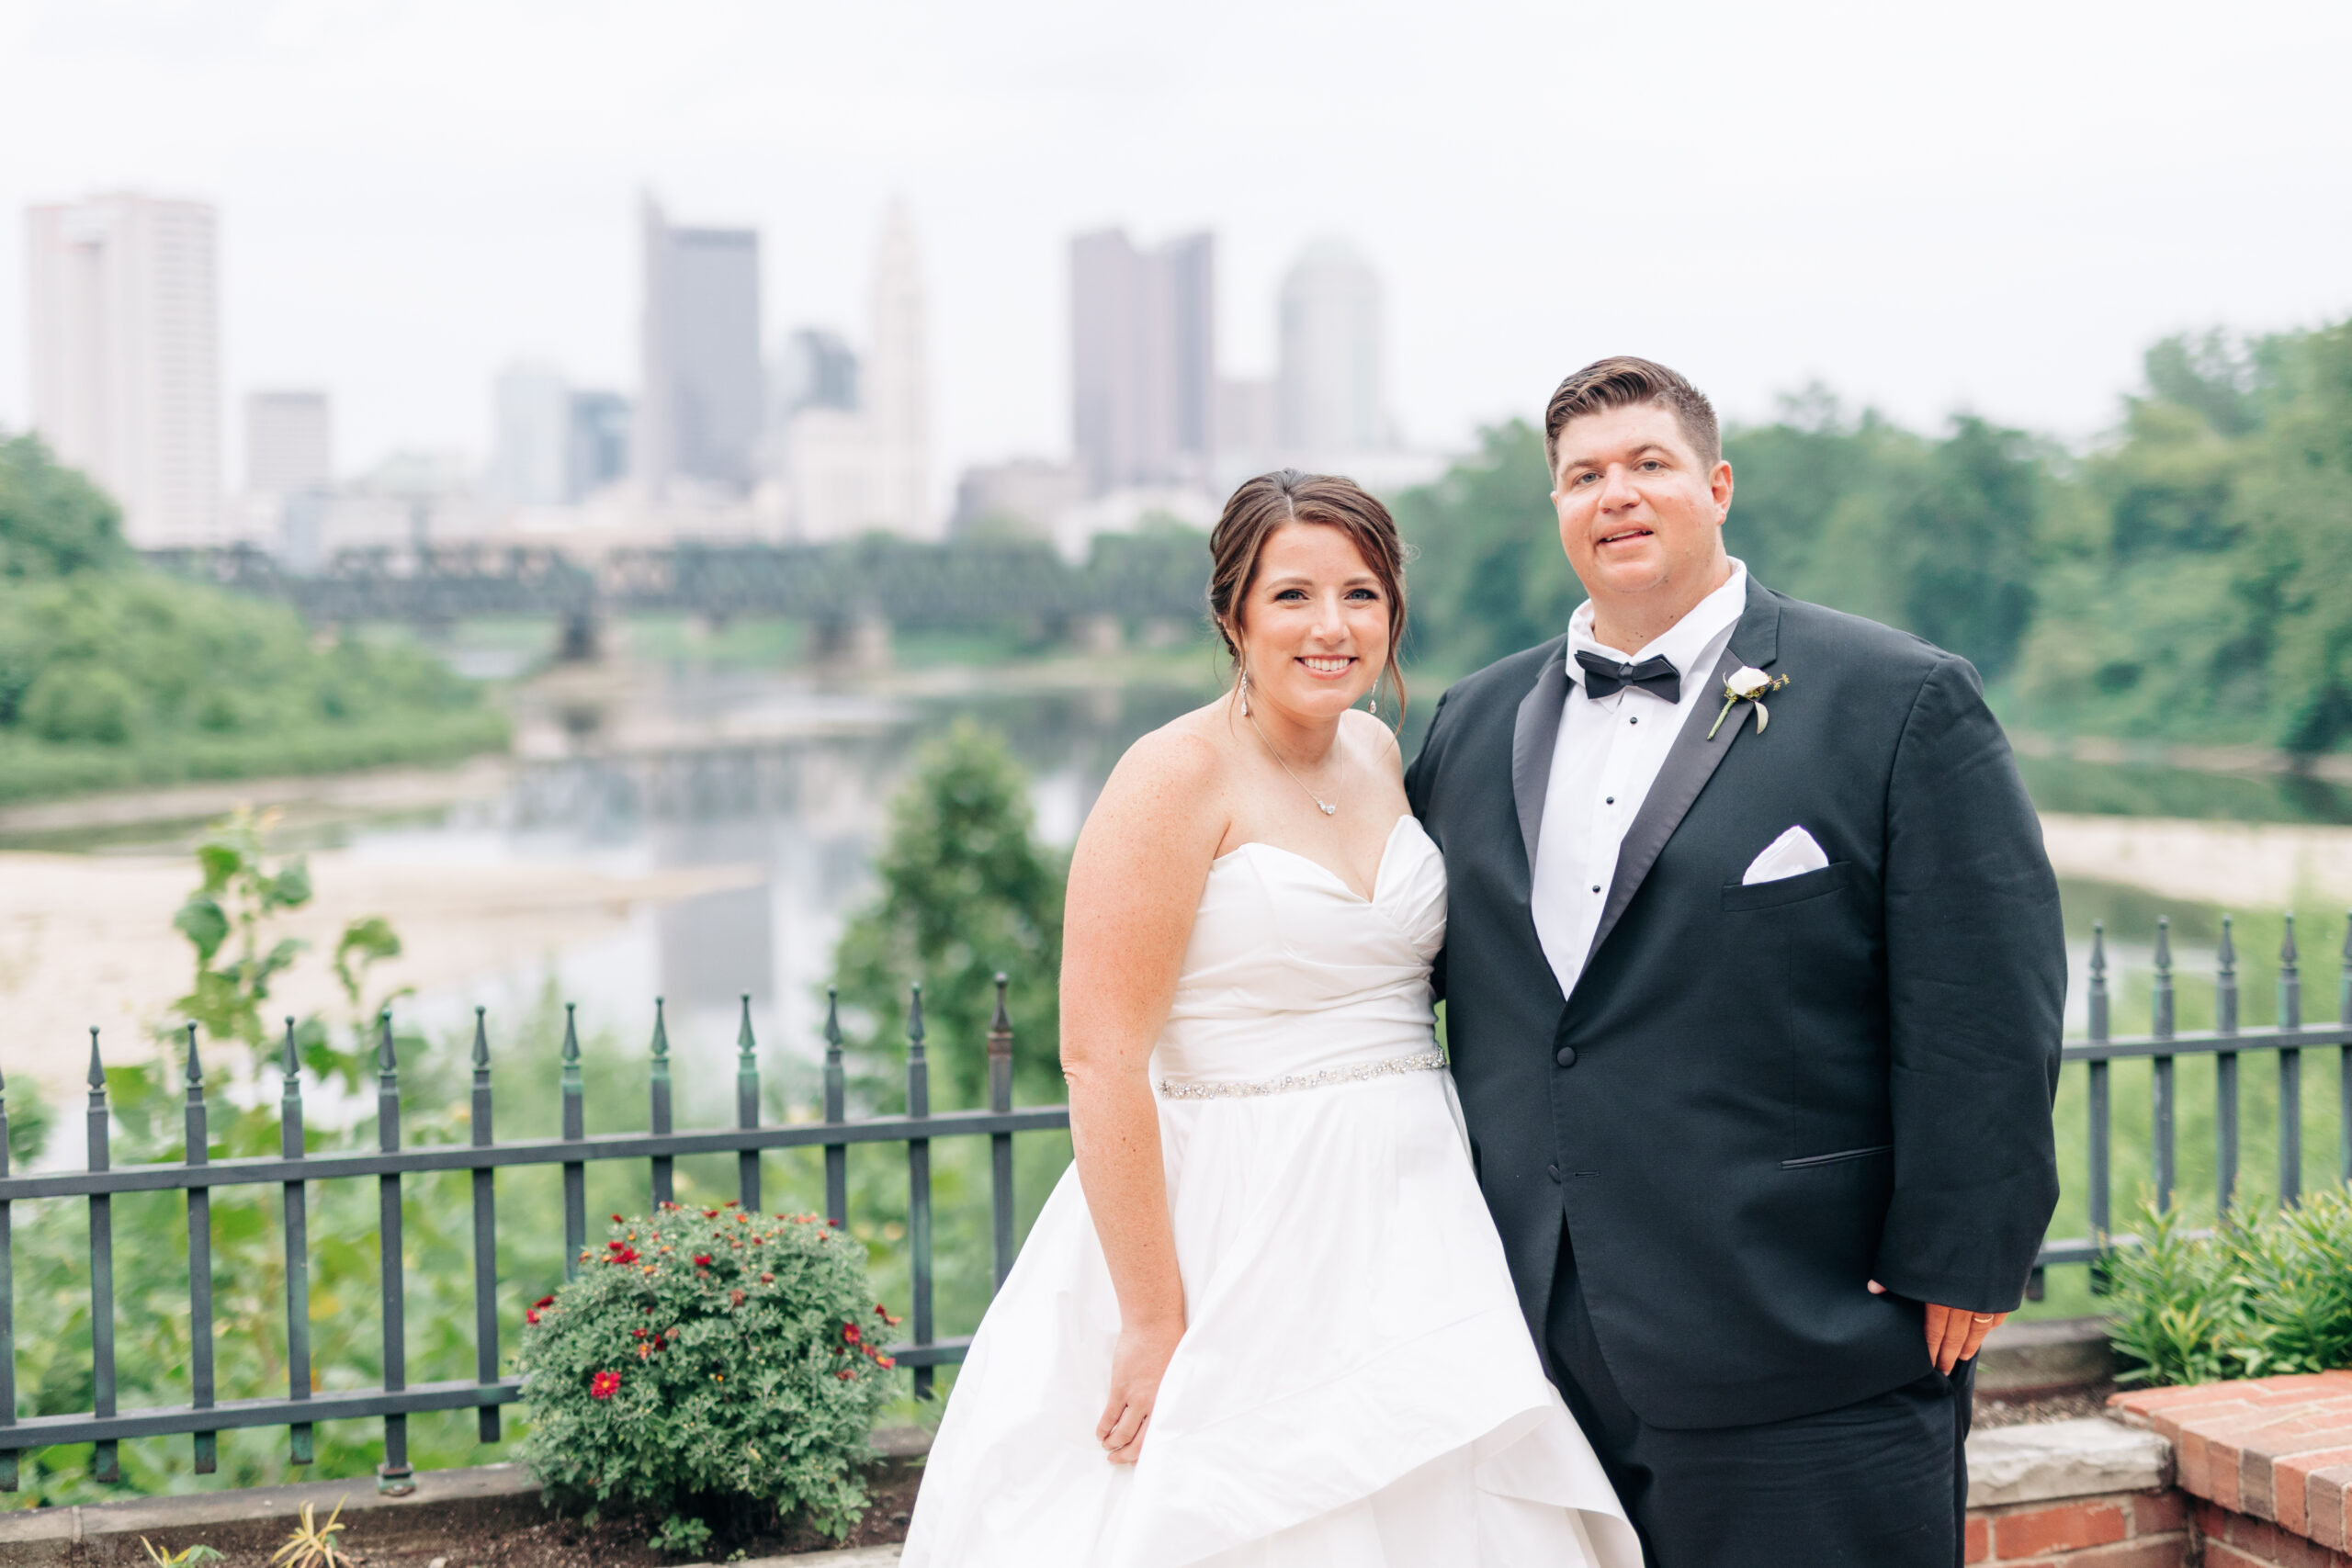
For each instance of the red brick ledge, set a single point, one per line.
(2274, 1449)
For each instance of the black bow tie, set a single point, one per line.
(1603, 677)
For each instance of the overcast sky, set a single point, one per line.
(1994, 206)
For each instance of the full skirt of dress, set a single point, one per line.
(1355, 1387)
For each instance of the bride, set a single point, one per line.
(1265, 1320)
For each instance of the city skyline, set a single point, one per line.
(1923, 217)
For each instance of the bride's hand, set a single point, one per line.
(1136, 1366)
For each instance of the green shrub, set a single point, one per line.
(703, 1362)
(81, 701)
(2246, 1301)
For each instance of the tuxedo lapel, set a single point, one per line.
(1692, 760)
(1535, 734)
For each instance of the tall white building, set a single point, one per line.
(866, 469)
(531, 412)
(289, 443)
(1329, 395)
(126, 355)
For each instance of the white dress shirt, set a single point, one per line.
(1608, 753)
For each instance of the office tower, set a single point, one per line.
(855, 447)
(898, 388)
(813, 369)
(1245, 421)
(289, 443)
(701, 400)
(531, 456)
(1026, 496)
(126, 359)
(1328, 398)
(1143, 372)
(597, 442)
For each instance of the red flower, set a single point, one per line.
(883, 1313)
(616, 1246)
(767, 1278)
(851, 1332)
(636, 1333)
(702, 1260)
(710, 1213)
(544, 1301)
(621, 1253)
(531, 1314)
(845, 1374)
(618, 1220)
(604, 1385)
(886, 1362)
(644, 1352)
(735, 1298)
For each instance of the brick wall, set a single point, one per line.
(2269, 1461)
(2135, 1529)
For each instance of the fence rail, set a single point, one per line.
(205, 1415)
(302, 1408)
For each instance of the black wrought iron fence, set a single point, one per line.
(2225, 1044)
(205, 1417)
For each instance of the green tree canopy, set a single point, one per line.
(967, 892)
(52, 521)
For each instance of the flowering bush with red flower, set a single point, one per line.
(704, 1360)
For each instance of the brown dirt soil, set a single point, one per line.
(1996, 1410)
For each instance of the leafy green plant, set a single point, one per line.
(2247, 1300)
(186, 1555)
(705, 1360)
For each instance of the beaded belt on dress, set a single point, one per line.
(1200, 1088)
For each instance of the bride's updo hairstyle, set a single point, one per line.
(1272, 501)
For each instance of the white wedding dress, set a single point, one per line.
(1355, 1387)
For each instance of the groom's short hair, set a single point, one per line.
(1622, 381)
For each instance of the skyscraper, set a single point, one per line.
(597, 443)
(856, 447)
(1328, 395)
(126, 358)
(701, 399)
(1143, 349)
(289, 443)
(897, 388)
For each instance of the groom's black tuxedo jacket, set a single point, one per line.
(1761, 1098)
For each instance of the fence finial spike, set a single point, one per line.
(481, 1040)
(290, 1064)
(2163, 944)
(1003, 1021)
(747, 1045)
(833, 1020)
(97, 1079)
(2098, 948)
(661, 1033)
(2287, 952)
(195, 1064)
(570, 1035)
(2229, 950)
(914, 1016)
(388, 1061)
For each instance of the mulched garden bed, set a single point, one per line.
(560, 1542)
(1996, 1410)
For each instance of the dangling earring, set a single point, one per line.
(1244, 691)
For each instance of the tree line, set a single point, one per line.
(114, 675)
(2187, 578)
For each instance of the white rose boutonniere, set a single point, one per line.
(1747, 684)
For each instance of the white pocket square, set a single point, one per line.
(1792, 854)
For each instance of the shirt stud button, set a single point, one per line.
(1596, 887)
(1566, 1056)
(1611, 801)
(1632, 719)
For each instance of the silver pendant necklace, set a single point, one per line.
(1329, 808)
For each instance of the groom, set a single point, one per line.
(1753, 978)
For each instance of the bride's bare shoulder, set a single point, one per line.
(1170, 784)
(1373, 739)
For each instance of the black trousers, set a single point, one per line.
(1881, 1484)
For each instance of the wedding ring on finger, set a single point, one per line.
(1981, 1317)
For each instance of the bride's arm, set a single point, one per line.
(1135, 885)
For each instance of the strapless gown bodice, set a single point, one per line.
(1290, 971)
(1355, 1387)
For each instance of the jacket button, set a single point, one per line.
(1553, 1171)
(1567, 1057)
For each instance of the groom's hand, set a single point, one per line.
(1953, 1335)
